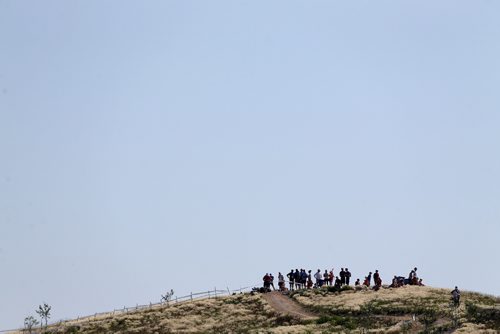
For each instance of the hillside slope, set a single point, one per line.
(407, 309)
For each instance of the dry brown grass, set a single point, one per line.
(354, 300)
(239, 313)
(389, 311)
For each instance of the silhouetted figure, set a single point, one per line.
(412, 277)
(272, 281)
(347, 276)
(357, 283)
(309, 282)
(377, 280)
(291, 279)
(326, 278)
(303, 278)
(338, 283)
(296, 278)
(395, 282)
(455, 297)
(369, 278)
(342, 276)
(267, 282)
(366, 282)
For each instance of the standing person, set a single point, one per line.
(267, 281)
(347, 276)
(326, 277)
(377, 280)
(317, 276)
(342, 276)
(272, 281)
(296, 277)
(412, 275)
(415, 277)
(331, 277)
(369, 278)
(303, 278)
(455, 296)
(281, 282)
(290, 276)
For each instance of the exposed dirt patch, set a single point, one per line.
(285, 305)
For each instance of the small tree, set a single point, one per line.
(44, 313)
(168, 296)
(29, 323)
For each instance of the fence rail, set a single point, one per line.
(173, 301)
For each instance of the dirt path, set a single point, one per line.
(286, 305)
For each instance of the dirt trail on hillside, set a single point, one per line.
(286, 305)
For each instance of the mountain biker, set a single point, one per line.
(455, 296)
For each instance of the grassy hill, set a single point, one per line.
(408, 309)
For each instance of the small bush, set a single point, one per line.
(285, 320)
(428, 317)
(72, 329)
(118, 324)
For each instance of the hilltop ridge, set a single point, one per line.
(408, 309)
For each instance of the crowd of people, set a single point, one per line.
(302, 279)
(305, 279)
(412, 279)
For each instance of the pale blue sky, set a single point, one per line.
(192, 144)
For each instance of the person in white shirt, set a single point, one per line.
(318, 278)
